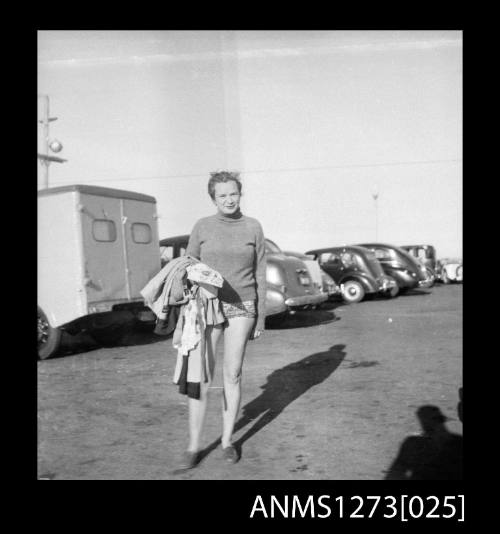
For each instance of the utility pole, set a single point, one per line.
(54, 145)
(375, 197)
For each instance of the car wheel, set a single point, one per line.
(352, 291)
(49, 338)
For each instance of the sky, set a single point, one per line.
(316, 122)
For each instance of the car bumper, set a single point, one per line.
(333, 291)
(306, 300)
(405, 280)
(387, 284)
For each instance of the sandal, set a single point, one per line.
(230, 454)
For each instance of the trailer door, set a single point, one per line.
(103, 245)
(142, 247)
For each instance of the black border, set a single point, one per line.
(218, 504)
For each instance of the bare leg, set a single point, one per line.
(198, 408)
(235, 340)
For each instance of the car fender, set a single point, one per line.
(275, 300)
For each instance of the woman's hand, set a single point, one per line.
(256, 334)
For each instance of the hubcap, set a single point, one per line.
(43, 330)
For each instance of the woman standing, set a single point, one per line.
(232, 244)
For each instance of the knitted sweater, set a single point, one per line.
(234, 246)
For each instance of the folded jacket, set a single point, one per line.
(166, 288)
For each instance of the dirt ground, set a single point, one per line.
(328, 394)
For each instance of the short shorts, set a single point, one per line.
(239, 309)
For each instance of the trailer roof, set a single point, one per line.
(97, 190)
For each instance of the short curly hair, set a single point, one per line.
(218, 177)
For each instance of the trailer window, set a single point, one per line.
(141, 233)
(104, 230)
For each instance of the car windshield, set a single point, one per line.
(410, 257)
(423, 253)
(385, 254)
(272, 248)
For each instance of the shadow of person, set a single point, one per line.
(303, 319)
(434, 455)
(282, 387)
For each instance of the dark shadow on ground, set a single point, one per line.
(282, 387)
(124, 335)
(302, 319)
(436, 454)
(332, 304)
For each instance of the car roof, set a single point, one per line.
(173, 240)
(381, 245)
(356, 248)
(416, 246)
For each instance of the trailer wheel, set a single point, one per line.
(49, 338)
(352, 291)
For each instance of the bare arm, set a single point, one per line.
(260, 277)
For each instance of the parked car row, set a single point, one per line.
(305, 280)
(443, 270)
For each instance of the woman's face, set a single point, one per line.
(227, 197)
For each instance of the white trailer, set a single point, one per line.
(97, 248)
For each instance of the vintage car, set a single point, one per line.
(320, 277)
(173, 247)
(400, 265)
(450, 270)
(356, 271)
(426, 255)
(291, 276)
(289, 284)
